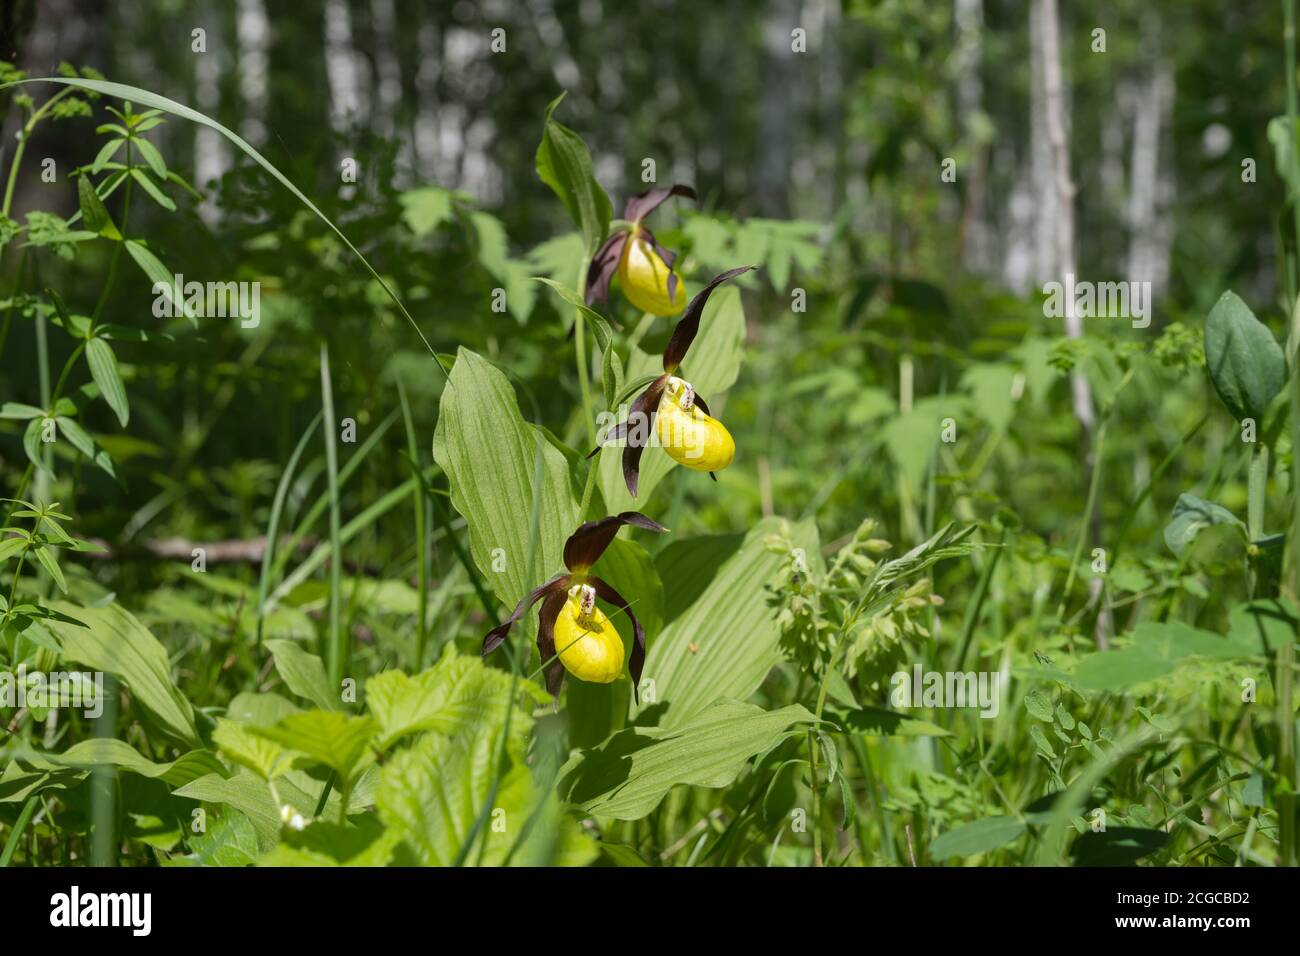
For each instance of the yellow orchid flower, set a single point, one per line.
(644, 268)
(573, 634)
(670, 406)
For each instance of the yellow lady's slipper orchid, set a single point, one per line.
(669, 405)
(574, 634)
(644, 268)
(644, 276)
(690, 436)
(586, 641)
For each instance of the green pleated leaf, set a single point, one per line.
(711, 365)
(722, 636)
(456, 691)
(629, 774)
(499, 466)
(564, 163)
(103, 369)
(433, 793)
(264, 757)
(113, 641)
(1245, 362)
(324, 737)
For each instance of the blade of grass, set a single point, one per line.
(24, 818)
(273, 525)
(336, 640)
(360, 523)
(355, 461)
(421, 546)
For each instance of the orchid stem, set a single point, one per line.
(583, 357)
(590, 486)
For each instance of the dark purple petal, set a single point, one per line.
(669, 257)
(588, 543)
(699, 400)
(637, 660)
(686, 330)
(641, 205)
(611, 436)
(492, 640)
(553, 669)
(646, 406)
(603, 266)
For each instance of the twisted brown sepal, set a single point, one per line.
(552, 666)
(492, 640)
(642, 204)
(637, 661)
(603, 266)
(588, 543)
(689, 326)
(644, 408)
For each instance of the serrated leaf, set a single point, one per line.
(324, 737)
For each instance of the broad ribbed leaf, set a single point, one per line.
(115, 642)
(628, 775)
(564, 163)
(711, 366)
(304, 674)
(107, 751)
(498, 466)
(722, 633)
